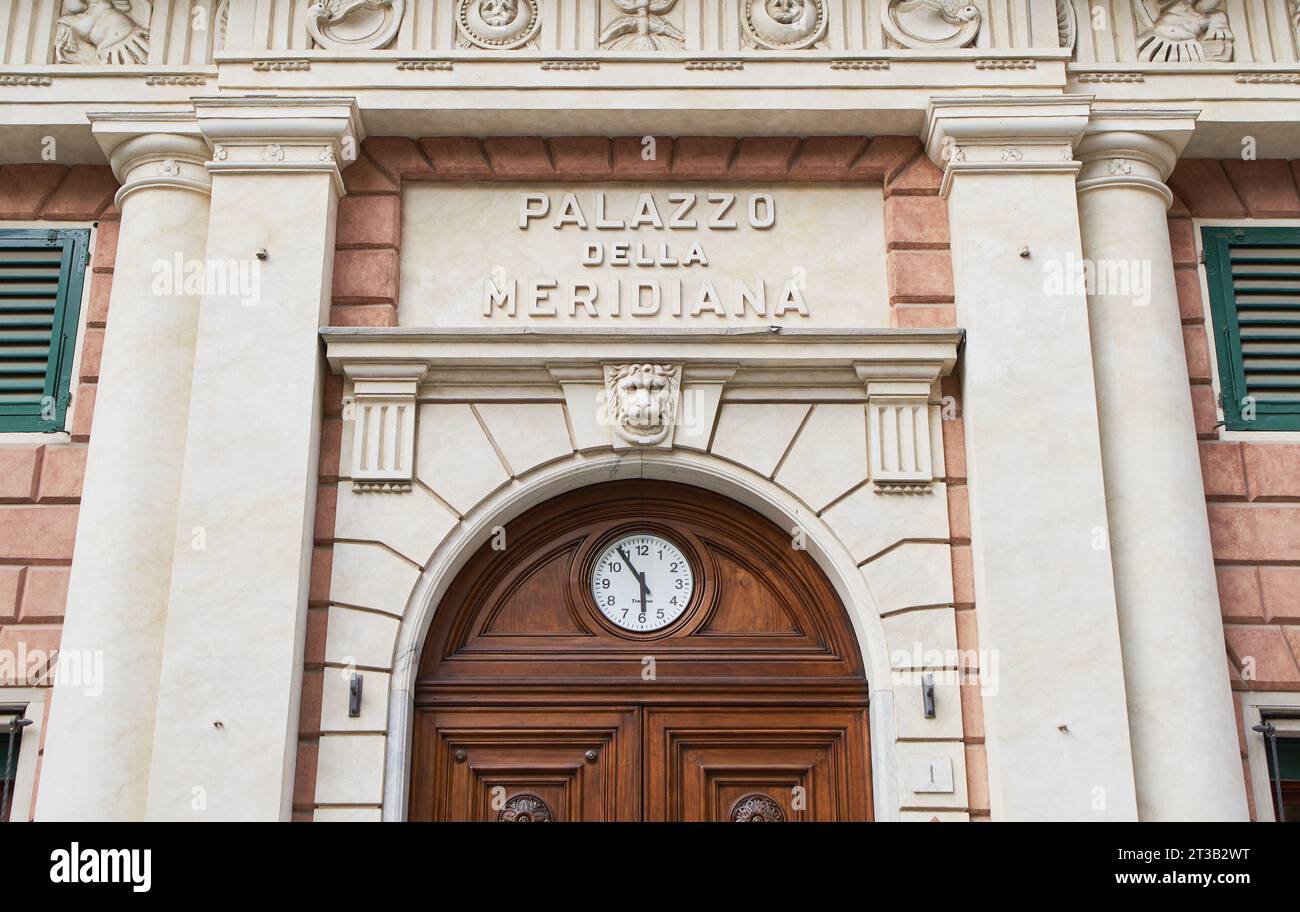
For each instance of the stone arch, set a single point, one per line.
(725, 478)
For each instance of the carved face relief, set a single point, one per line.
(784, 11)
(498, 24)
(641, 400)
(783, 24)
(498, 12)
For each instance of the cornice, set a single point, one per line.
(566, 354)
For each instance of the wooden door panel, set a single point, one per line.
(519, 765)
(757, 764)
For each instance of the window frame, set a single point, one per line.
(1256, 706)
(33, 701)
(65, 331)
(1214, 241)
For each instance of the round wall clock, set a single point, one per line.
(642, 582)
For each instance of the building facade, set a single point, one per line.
(686, 409)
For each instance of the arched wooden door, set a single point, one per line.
(532, 705)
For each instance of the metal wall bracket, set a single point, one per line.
(354, 695)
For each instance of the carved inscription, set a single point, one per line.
(673, 275)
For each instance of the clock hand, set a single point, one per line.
(640, 579)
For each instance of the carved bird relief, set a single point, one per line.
(103, 31)
(932, 23)
(1184, 31)
(329, 25)
(644, 28)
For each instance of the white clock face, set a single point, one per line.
(642, 582)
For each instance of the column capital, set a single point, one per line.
(290, 135)
(1134, 147)
(153, 150)
(970, 134)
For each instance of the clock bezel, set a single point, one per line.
(691, 549)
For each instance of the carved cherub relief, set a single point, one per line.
(1183, 31)
(103, 31)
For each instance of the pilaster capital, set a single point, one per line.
(1135, 148)
(281, 135)
(153, 150)
(981, 135)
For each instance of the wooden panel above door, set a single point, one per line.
(762, 618)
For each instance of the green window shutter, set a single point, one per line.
(1254, 283)
(41, 277)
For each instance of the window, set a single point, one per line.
(1282, 754)
(12, 723)
(41, 277)
(1254, 283)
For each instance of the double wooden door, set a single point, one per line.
(741, 764)
(531, 705)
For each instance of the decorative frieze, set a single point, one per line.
(191, 32)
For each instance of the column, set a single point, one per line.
(226, 734)
(1056, 720)
(97, 749)
(1181, 717)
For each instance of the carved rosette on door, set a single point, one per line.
(524, 808)
(757, 809)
